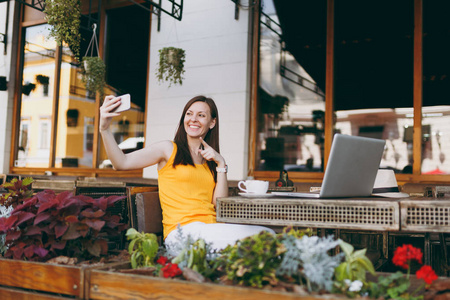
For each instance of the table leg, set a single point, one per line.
(427, 249)
(337, 236)
(385, 245)
(444, 253)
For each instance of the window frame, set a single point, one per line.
(32, 17)
(44, 137)
(416, 176)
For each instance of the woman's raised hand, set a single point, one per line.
(209, 153)
(106, 113)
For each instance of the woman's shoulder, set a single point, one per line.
(162, 151)
(166, 146)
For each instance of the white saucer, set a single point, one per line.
(252, 195)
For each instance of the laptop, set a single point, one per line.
(352, 167)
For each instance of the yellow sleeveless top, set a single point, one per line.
(185, 193)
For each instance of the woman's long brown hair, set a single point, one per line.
(183, 156)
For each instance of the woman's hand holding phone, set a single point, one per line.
(125, 103)
(112, 106)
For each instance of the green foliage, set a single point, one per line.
(193, 257)
(355, 266)
(93, 75)
(171, 65)
(252, 261)
(64, 16)
(18, 191)
(291, 264)
(143, 248)
(5, 212)
(298, 233)
(394, 286)
(317, 265)
(193, 254)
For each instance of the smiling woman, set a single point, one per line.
(192, 173)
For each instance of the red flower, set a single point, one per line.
(403, 255)
(427, 274)
(162, 260)
(171, 270)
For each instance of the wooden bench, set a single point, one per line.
(149, 213)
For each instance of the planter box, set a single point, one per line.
(14, 294)
(108, 285)
(44, 277)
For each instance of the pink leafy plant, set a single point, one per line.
(48, 225)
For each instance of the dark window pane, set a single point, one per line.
(436, 88)
(291, 98)
(374, 74)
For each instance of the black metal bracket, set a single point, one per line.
(238, 5)
(90, 20)
(40, 5)
(176, 10)
(4, 36)
(271, 25)
(290, 75)
(285, 72)
(36, 4)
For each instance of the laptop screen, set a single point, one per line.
(352, 166)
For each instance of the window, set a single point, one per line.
(436, 88)
(74, 110)
(44, 134)
(24, 135)
(24, 146)
(291, 96)
(374, 72)
(88, 134)
(127, 75)
(38, 56)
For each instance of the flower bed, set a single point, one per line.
(107, 284)
(289, 265)
(67, 280)
(293, 264)
(53, 241)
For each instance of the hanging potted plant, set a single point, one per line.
(42, 79)
(171, 65)
(94, 69)
(27, 88)
(93, 75)
(64, 16)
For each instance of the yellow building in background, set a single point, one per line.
(76, 110)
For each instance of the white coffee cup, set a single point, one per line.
(254, 186)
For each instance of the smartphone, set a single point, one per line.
(125, 103)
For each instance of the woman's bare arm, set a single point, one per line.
(157, 153)
(209, 153)
(154, 154)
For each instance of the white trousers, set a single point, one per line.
(218, 234)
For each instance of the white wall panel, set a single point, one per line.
(217, 66)
(6, 97)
